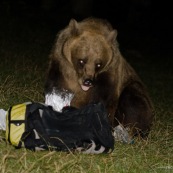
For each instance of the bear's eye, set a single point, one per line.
(98, 66)
(81, 62)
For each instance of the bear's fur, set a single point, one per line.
(86, 61)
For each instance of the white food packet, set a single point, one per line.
(58, 99)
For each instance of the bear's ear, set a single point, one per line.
(111, 37)
(74, 27)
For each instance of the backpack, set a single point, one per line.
(37, 126)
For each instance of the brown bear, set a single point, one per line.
(87, 62)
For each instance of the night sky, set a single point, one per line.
(133, 19)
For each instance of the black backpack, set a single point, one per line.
(36, 126)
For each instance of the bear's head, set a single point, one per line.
(90, 50)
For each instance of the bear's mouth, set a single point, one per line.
(85, 88)
(87, 84)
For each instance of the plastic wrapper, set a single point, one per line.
(3, 119)
(121, 134)
(58, 99)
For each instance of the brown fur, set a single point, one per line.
(86, 55)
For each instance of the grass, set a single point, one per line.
(24, 50)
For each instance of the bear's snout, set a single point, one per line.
(88, 82)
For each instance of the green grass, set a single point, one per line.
(24, 51)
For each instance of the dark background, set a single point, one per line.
(143, 25)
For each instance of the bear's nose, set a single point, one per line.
(88, 82)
